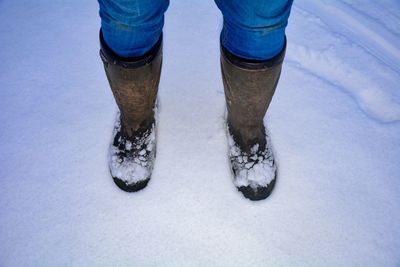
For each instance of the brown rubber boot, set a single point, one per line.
(134, 83)
(249, 87)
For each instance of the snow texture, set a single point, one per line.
(334, 123)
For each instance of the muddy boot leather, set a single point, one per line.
(249, 87)
(134, 83)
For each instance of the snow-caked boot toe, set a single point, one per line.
(134, 83)
(131, 158)
(249, 86)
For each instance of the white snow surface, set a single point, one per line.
(334, 124)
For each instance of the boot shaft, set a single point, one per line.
(249, 87)
(134, 83)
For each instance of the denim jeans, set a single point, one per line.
(252, 29)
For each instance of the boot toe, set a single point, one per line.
(258, 193)
(133, 187)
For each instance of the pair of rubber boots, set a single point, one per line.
(249, 87)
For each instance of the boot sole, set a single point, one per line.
(131, 187)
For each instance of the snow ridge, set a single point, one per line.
(349, 66)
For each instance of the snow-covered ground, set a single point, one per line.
(334, 123)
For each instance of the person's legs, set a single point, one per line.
(254, 29)
(131, 50)
(132, 27)
(253, 46)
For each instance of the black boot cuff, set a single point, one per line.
(110, 57)
(253, 64)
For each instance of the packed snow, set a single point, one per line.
(256, 169)
(334, 124)
(138, 164)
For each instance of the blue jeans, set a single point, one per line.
(252, 29)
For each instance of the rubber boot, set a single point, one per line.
(134, 83)
(249, 87)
